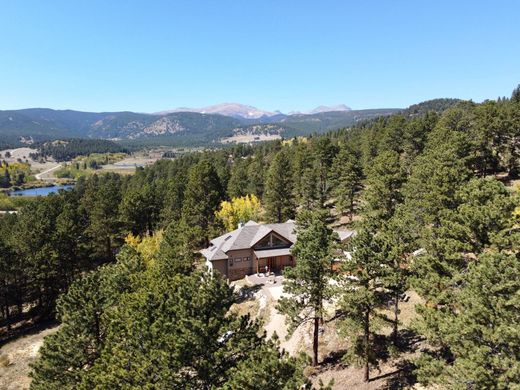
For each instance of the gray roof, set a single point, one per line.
(272, 252)
(245, 237)
(249, 234)
(345, 234)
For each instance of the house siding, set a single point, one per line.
(239, 269)
(276, 239)
(220, 266)
(280, 263)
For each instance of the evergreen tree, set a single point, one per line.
(515, 96)
(202, 198)
(172, 205)
(176, 253)
(345, 177)
(362, 293)
(175, 332)
(310, 197)
(5, 179)
(237, 185)
(101, 201)
(255, 174)
(278, 196)
(324, 152)
(482, 217)
(397, 245)
(483, 335)
(138, 209)
(67, 356)
(308, 281)
(383, 193)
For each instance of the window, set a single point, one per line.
(245, 259)
(238, 259)
(231, 262)
(271, 241)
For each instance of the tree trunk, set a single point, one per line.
(351, 209)
(315, 341)
(108, 248)
(396, 317)
(367, 346)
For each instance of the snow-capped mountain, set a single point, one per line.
(235, 110)
(320, 109)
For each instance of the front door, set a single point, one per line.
(271, 263)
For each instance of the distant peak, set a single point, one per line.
(339, 107)
(227, 109)
(244, 111)
(320, 109)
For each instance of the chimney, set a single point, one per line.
(240, 224)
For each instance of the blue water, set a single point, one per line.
(44, 191)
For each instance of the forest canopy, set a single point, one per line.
(431, 194)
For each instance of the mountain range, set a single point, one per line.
(183, 126)
(243, 111)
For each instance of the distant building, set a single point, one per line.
(255, 248)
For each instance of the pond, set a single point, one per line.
(43, 191)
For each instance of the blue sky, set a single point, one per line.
(150, 55)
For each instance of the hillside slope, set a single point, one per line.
(194, 128)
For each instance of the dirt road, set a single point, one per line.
(15, 358)
(47, 174)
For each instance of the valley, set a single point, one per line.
(175, 128)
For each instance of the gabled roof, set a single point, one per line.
(245, 237)
(345, 234)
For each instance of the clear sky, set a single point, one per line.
(146, 56)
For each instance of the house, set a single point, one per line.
(255, 248)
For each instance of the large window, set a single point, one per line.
(271, 241)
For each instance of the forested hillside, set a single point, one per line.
(431, 194)
(68, 149)
(175, 128)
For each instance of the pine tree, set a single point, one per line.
(176, 331)
(345, 177)
(480, 220)
(308, 281)
(202, 198)
(138, 209)
(176, 250)
(362, 292)
(172, 204)
(68, 355)
(324, 151)
(383, 188)
(278, 196)
(310, 188)
(5, 178)
(483, 335)
(397, 246)
(255, 174)
(237, 185)
(515, 96)
(101, 201)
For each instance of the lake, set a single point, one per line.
(43, 191)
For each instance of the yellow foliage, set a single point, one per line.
(147, 246)
(239, 210)
(301, 140)
(132, 240)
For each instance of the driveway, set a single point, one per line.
(272, 287)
